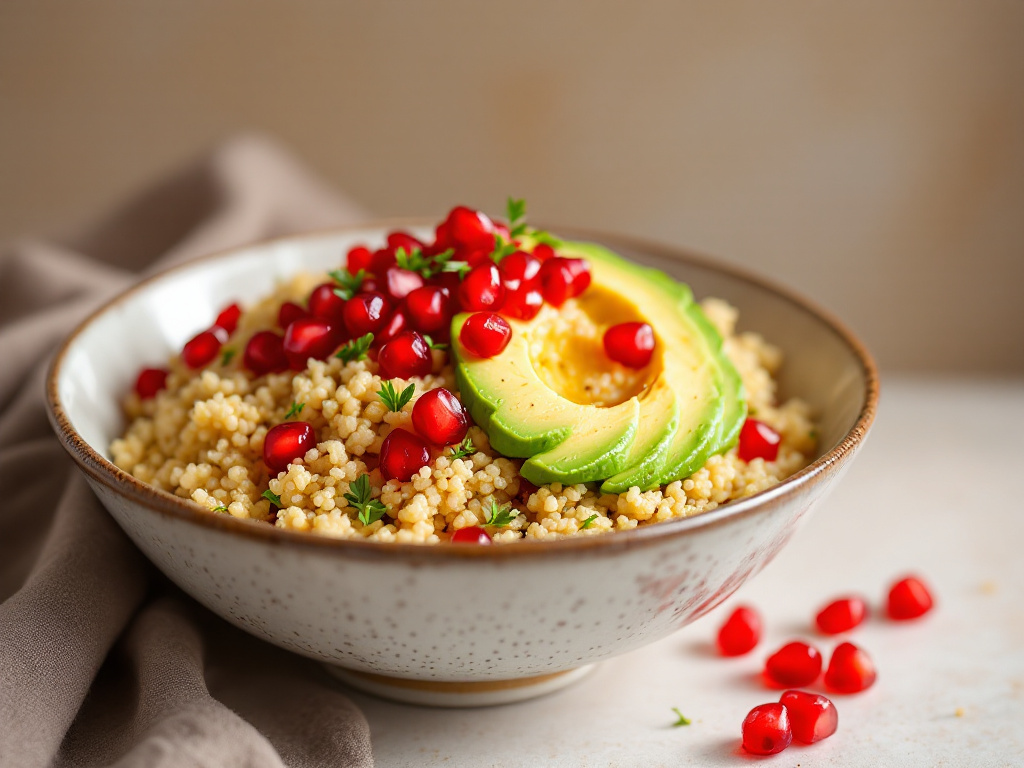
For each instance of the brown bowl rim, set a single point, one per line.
(105, 472)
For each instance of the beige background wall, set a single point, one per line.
(870, 154)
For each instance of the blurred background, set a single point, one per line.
(868, 154)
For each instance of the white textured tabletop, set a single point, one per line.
(938, 490)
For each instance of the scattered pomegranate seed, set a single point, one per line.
(326, 304)
(404, 240)
(524, 302)
(849, 670)
(265, 353)
(440, 418)
(309, 337)
(396, 324)
(287, 442)
(908, 599)
(485, 334)
(812, 716)
(740, 632)
(366, 313)
(471, 535)
(766, 729)
(794, 664)
(841, 615)
(358, 258)
(405, 356)
(204, 347)
(399, 282)
(429, 308)
(518, 268)
(562, 279)
(151, 381)
(482, 289)
(289, 313)
(402, 455)
(631, 344)
(470, 229)
(228, 318)
(758, 441)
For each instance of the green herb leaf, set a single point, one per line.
(500, 517)
(414, 261)
(295, 409)
(394, 399)
(355, 349)
(462, 267)
(272, 497)
(359, 495)
(463, 449)
(545, 237)
(515, 210)
(433, 344)
(502, 248)
(683, 720)
(588, 522)
(226, 355)
(350, 284)
(219, 508)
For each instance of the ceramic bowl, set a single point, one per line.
(448, 624)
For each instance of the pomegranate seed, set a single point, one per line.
(794, 664)
(543, 252)
(758, 441)
(485, 334)
(562, 279)
(740, 632)
(631, 344)
(399, 282)
(287, 442)
(471, 535)
(402, 455)
(908, 599)
(442, 238)
(369, 285)
(501, 229)
(841, 615)
(812, 716)
(766, 729)
(151, 381)
(265, 353)
(482, 289)
(366, 313)
(397, 323)
(382, 260)
(580, 271)
(405, 356)
(358, 258)
(228, 318)
(289, 313)
(309, 337)
(202, 348)
(326, 304)
(404, 240)
(429, 308)
(849, 670)
(471, 229)
(440, 418)
(524, 302)
(518, 268)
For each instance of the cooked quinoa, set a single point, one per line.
(201, 438)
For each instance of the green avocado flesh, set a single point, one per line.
(692, 408)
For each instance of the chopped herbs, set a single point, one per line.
(434, 344)
(428, 266)
(463, 449)
(219, 508)
(272, 497)
(413, 261)
(355, 349)
(350, 284)
(226, 355)
(359, 495)
(588, 522)
(515, 211)
(683, 720)
(394, 399)
(294, 410)
(500, 517)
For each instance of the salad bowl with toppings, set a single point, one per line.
(460, 464)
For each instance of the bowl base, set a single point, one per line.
(440, 693)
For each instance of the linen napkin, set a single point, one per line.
(102, 660)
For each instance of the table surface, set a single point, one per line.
(937, 490)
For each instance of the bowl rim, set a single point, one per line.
(100, 469)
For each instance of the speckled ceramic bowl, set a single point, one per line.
(448, 624)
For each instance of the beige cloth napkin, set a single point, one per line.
(102, 661)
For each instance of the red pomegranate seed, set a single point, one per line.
(440, 418)
(429, 308)
(442, 238)
(908, 599)
(740, 632)
(485, 334)
(562, 279)
(366, 313)
(397, 323)
(399, 282)
(812, 716)
(309, 337)
(841, 615)
(265, 353)
(631, 344)
(523, 303)
(543, 251)
(758, 441)
(358, 258)
(404, 240)
(405, 356)
(202, 348)
(369, 285)
(382, 260)
(471, 535)
(289, 313)
(228, 318)
(326, 304)
(471, 229)
(151, 381)
(482, 289)
(794, 664)
(402, 455)
(518, 268)
(849, 670)
(287, 442)
(766, 729)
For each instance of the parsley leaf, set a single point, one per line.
(434, 344)
(588, 522)
(359, 495)
(502, 248)
(428, 266)
(295, 409)
(355, 349)
(272, 497)
(683, 720)
(516, 213)
(546, 237)
(350, 284)
(463, 449)
(500, 517)
(394, 399)
(226, 355)
(462, 267)
(219, 508)
(413, 260)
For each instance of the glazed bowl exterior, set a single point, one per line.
(448, 614)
